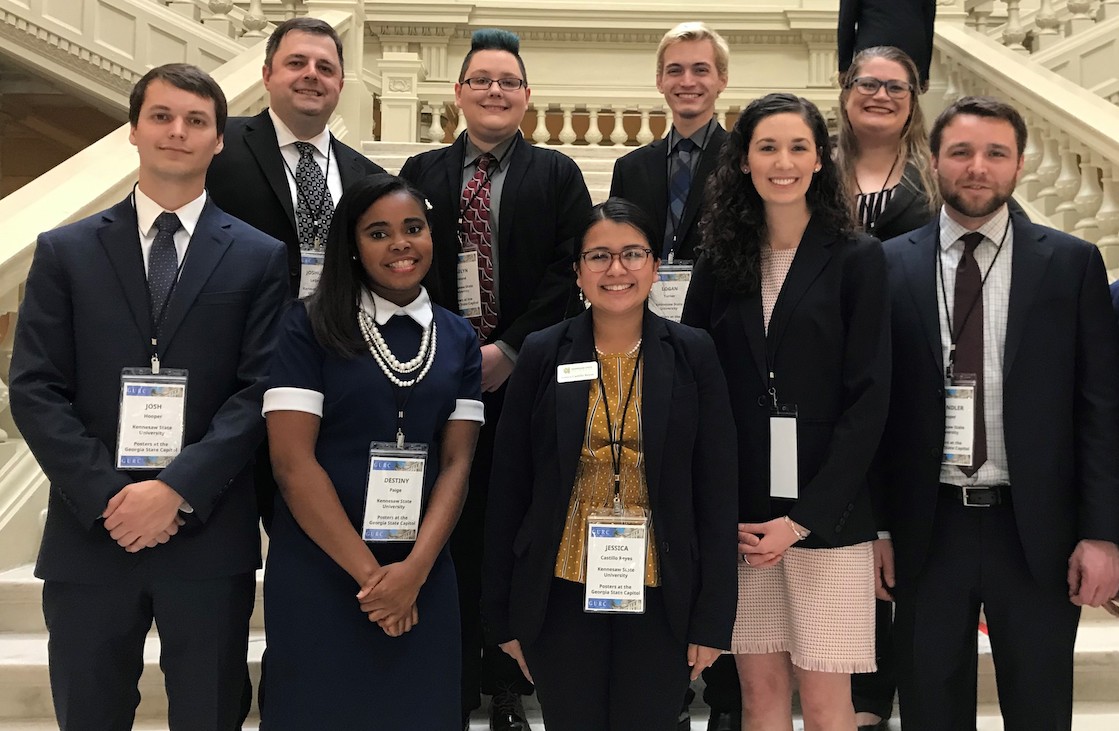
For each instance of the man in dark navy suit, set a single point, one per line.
(161, 304)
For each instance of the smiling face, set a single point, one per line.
(304, 81)
(878, 114)
(617, 290)
(394, 246)
(781, 159)
(977, 167)
(492, 115)
(690, 82)
(175, 135)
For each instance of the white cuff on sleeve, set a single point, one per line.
(884, 535)
(293, 399)
(468, 410)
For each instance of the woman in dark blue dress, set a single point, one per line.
(367, 363)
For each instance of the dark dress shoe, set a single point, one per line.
(882, 725)
(507, 713)
(684, 720)
(725, 721)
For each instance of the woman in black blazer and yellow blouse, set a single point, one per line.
(610, 532)
(797, 306)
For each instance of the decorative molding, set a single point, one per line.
(67, 53)
(400, 85)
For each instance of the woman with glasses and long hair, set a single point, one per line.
(610, 532)
(373, 413)
(796, 302)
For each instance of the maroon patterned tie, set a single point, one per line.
(478, 236)
(967, 317)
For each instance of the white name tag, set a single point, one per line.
(394, 492)
(469, 286)
(310, 271)
(783, 478)
(152, 418)
(959, 425)
(666, 298)
(615, 575)
(569, 372)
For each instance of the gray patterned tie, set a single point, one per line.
(314, 206)
(163, 263)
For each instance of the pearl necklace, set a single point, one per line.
(632, 351)
(389, 363)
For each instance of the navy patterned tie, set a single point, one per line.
(314, 206)
(678, 188)
(163, 263)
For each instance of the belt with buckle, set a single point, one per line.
(979, 496)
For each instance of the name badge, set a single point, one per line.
(615, 570)
(666, 298)
(394, 492)
(310, 271)
(152, 418)
(959, 423)
(569, 372)
(783, 478)
(469, 285)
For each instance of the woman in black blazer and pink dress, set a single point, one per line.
(796, 303)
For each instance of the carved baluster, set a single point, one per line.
(8, 306)
(1014, 33)
(721, 116)
(1081, 19)
(667, 116)
(1047, 173)
(952, 88)
(1031, 156)
(289, 9)
(1048, 26)
(567, 132)
(645, 134)
(1066, 185)
(541, 135)
(618, 135)
(979, 15)
(461, 126)
(594, 134)
(218, 18)
(255, 21)
(434, 130)
(1088, 199)
(1108, 216)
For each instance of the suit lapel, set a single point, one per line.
(519, 164)
(571, 398)
(121, 240)
(900, 201)
(207, 246)
(260, 138)
(1031, 259)
(654, 168)
(750, 312)
(921, 269)
(656, 398)
(349, 165)
(706, 165)
(812, 256)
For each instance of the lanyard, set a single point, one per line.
(692, 164)
(954, 333)
(157, 317)
(300, 193)
(617, 437)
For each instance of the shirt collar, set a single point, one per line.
(699, 137)
(499, 151)
(148, 210)
(381, 310)
(285, 137)
(993, 230)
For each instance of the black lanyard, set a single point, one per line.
(693, 165)
(316, 219)
(954, 333)
(616, 438)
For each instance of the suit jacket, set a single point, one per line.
(84, 317)
(544, 205)
(247, 179)
(906, 24)
(1060, 399)
(907, 210)
(641, 177)
(829, 345)
(688, 434)
(1115, 296)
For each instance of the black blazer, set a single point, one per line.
(688, 433)
(906, 24)
(84, 317)
(544, 204)
(641, 177)
(830, 348)
(907, 210)
(1060, 399)
(247, 179)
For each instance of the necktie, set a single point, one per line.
(678, 187)
(163, 263)
(478, 236)
(314, 206)
(967, 316)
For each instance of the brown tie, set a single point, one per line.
(967, 315)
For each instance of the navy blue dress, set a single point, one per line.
(329, 667)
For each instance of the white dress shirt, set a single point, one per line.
(148, 210)
(321, 142)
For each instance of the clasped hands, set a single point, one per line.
(763, 544)
(388, 597)
(143, 515)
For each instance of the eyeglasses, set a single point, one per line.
(481, 83)
(869, 86)
(632, 258)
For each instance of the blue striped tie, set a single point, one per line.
(678, 188)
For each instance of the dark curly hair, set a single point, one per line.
(733, 224)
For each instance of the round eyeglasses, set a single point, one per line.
(869, 86)
(599, 260)
(482, 83)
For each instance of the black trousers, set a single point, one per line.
(485, 667)
(607, 672)
(874, 692)
(722, 691)
(96, 647)
(976, 560)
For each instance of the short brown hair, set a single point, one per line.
(181, 76)
(305, 25)
(979, 106)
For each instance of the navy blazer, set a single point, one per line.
(829, 344)
(1060, 399)
(247, 179)
(641, 177)
(544, 205)
(688, 433)
(84, 317)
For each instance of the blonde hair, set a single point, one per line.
(696, 31)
